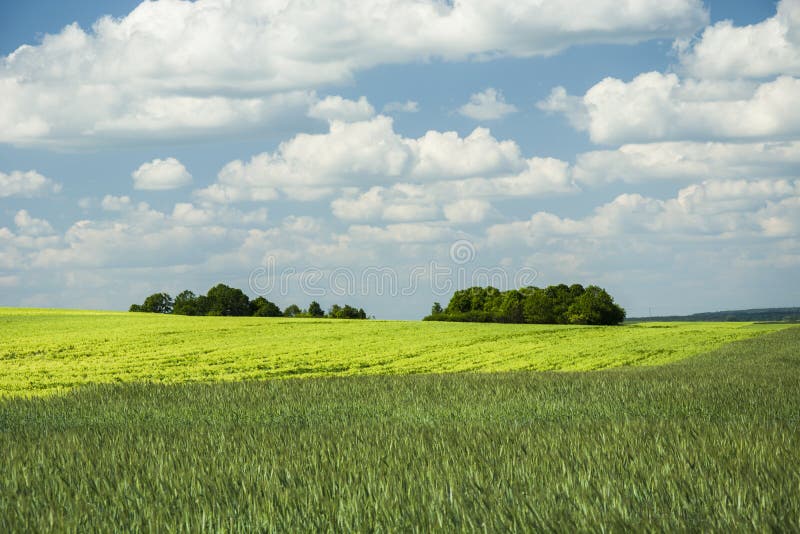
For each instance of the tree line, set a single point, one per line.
(558, 304)
(222, 300)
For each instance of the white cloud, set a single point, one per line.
(381, 175)
(447, 155)
(371, 153)
(302, 224)
(138, 237)
(31, 226)
(768, 48)
(26, 184)
(337, 108)
(486, 105)
(660, 107)
(114, 203)
(461, 200)
(401, 202)
(714, 209)
(401, 233)
(468, 210)
(638, 163)
(409, 106)
(306, 166)
(178, 69)
(161, 175)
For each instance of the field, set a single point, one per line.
(660, 438)
(46, 351)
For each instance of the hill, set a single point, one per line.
(747, 316)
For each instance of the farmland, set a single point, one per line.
(46, 351)
(708, 442)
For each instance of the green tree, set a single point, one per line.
(261, 307)
(225, 300)
(292, 310)
(186, 303)
(511, 309)
(555, 304)
(158, 303)
(538, 308)
(596, 307)
(315, 310)
(461, 302)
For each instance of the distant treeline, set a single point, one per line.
(754, 315)
(229, 301)
(560, 304)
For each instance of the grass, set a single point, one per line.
(704, 443)
(50, 351)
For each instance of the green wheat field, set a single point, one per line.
(140, 422)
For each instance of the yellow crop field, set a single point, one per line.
(46, 351)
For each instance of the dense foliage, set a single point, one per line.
(222, 300)
(44, 351)
(560, 304)
(708, 444)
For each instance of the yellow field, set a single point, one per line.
(44, 351)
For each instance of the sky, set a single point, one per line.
(385, 153)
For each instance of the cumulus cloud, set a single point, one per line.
(719, 209)
(337, 108)
(468, 210)
(639, 163)
(173, 68)
(26, 184)
(31, 226)
(461, 200)
(659, 107)
(371, 153)
(401, 202)
(768, 48)
(139, 236)
(401, 233)
(487, 105)
(161, 175)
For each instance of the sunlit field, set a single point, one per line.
(705, 443)
(47, 351)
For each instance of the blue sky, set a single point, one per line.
(173, 145)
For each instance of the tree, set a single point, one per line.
(461, 302)
(512, 307)
(225, 300)
(315, 310)
(158, 303)
(538, 308)
(557, 304)
(292, 310)
(346, 312)
(186, 303)
(135, 308)
(261, 307)
(595, 306)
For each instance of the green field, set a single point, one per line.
(681, 428)
(46, 351)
